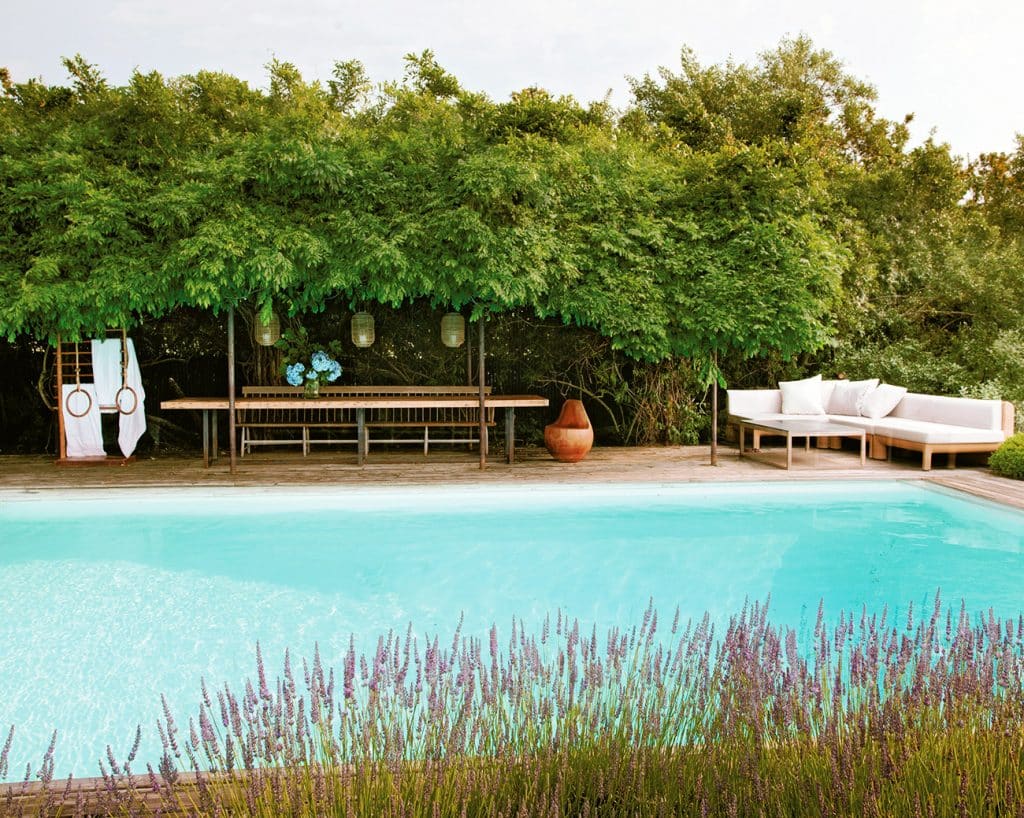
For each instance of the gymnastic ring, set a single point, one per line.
(135, 398)
(67, 403)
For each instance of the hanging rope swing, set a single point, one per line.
(124, 380)
(78, 390)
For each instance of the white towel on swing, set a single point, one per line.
(83, 435)
(106, 371)
(131, 425)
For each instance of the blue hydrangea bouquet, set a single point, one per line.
(309, 365)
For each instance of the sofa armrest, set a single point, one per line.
(752, 402)
(1008, 413)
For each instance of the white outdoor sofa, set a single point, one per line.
(930, 424)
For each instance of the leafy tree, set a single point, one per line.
(762, 216)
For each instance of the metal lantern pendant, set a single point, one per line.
(268, 333)
(363, 334)
(453, 330)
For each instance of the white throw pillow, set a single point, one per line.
(882, 401)
(802, 397)
(848, 396)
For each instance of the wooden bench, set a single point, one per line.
(315, 416)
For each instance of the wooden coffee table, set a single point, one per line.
(805, 428)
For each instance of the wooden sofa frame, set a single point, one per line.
(880, 444)
(312, 418)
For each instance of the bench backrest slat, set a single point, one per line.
(364, 391)
(319, 415)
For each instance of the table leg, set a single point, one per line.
(510, 433)
(216, 443)
(206, 439)
(807, 443)
(789, 450)
(360, 435)
(863, 449)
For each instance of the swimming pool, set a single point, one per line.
(110, 600)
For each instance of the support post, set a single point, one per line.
(481, 374)
(206, 437)
(62, 441)
(510, 434)
(360, 436)
(231, 388)
(714, 412)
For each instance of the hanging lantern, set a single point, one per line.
(268, 333)
(363, 334)
(453, 330)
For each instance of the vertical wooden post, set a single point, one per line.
(481, 373)
(62, 443)
(469, 359)
(231, 387)
(714, 412)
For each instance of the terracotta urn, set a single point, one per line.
(571, 436)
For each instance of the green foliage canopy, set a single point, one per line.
(122, 203)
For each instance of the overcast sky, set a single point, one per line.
(956, 66)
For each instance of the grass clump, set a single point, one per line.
(1008, 459)
(872, 717)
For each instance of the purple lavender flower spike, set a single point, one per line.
(5, 752)
(350, 669)
(46, 768)
(206, 728)
(114, 766)
(135, 745)
(318, 670)
(458, 632)
(154, 782)
(261, 675)
(205, 692)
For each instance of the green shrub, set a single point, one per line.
(1008, 459)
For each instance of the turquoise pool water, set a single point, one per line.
(110, 599)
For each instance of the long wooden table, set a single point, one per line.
(360, 404)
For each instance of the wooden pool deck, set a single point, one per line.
(670, 464)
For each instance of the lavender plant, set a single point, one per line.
(872, 717)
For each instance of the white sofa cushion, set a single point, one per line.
(848, 396)
(924, 431)
(802, 397)
(867, 424)
(882, 400)
(980, 414)
(827, 387)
